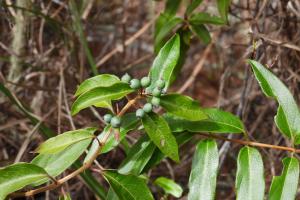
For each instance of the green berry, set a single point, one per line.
(135, 84)
(126, 78)
(115, 122)
(160, 84)
(145, 81)
(148, 90)
(155, 101)
(139, 113)
(156, 92)
(107, 118)
(147, 107)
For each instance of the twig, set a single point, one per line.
(85, 165)
(250, 143)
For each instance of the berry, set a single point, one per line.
(145, 81)
(126, 78)
(107, 118)
(115, 122)
(156, 92)
(135, 84)
(148, 90)
(160, 84)
(139, 113)
(147, 107)
(155, 101)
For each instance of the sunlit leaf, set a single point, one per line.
(205, 18)
(169, 186)
(182, 106)
(17, 176)
(250, 183)
(62, 141)
(203, 177)
(284, 187)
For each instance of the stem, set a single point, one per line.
(250, 143)
(85, 165)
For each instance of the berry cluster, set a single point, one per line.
(145, 82)
(114, 121)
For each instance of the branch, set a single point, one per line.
(85, 165)
(250, 143)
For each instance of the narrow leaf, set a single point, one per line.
(17, 176)
(57, 163)
(165, 62)
(223, 7)
(159, 132)
(164, 26)
(128, 187)
(202, 33)
(103, 80)
(62, 141)
(218, 122)
(100, 94)
(205, 18)
(172, 7)
(192, 6)
(250, 183)
(169, 186)
(203, 177)
(138, 156)
(284, 187)
(288, 115)
(65, 197)
(182, 106)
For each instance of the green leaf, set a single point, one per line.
(203, 177)
(249, 183)
(62, 141)
(192, 6)
(57, 163)
(128, 187)
(129, 122)
(288, 115)
(157, 155)
(138, 156)
(202, 33)
(223, 7)
(103, 80)
(284, 187)
(100, 94)
(205, 18)
(165, 62)
(182, 106)
(159, 132)
(169, 186)
(172, 7)
(163, 26)
(218, 122)
(17, 176)
(93, 184)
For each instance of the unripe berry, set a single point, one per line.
(148, 90)
(107, 118)
(139, 113)
(155, 101)
(145, 81)
(160, 84)
(156, 92)
(115, 122)
(147, 107)
(126, 78)
(135, 84)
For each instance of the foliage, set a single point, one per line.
(162, 133)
